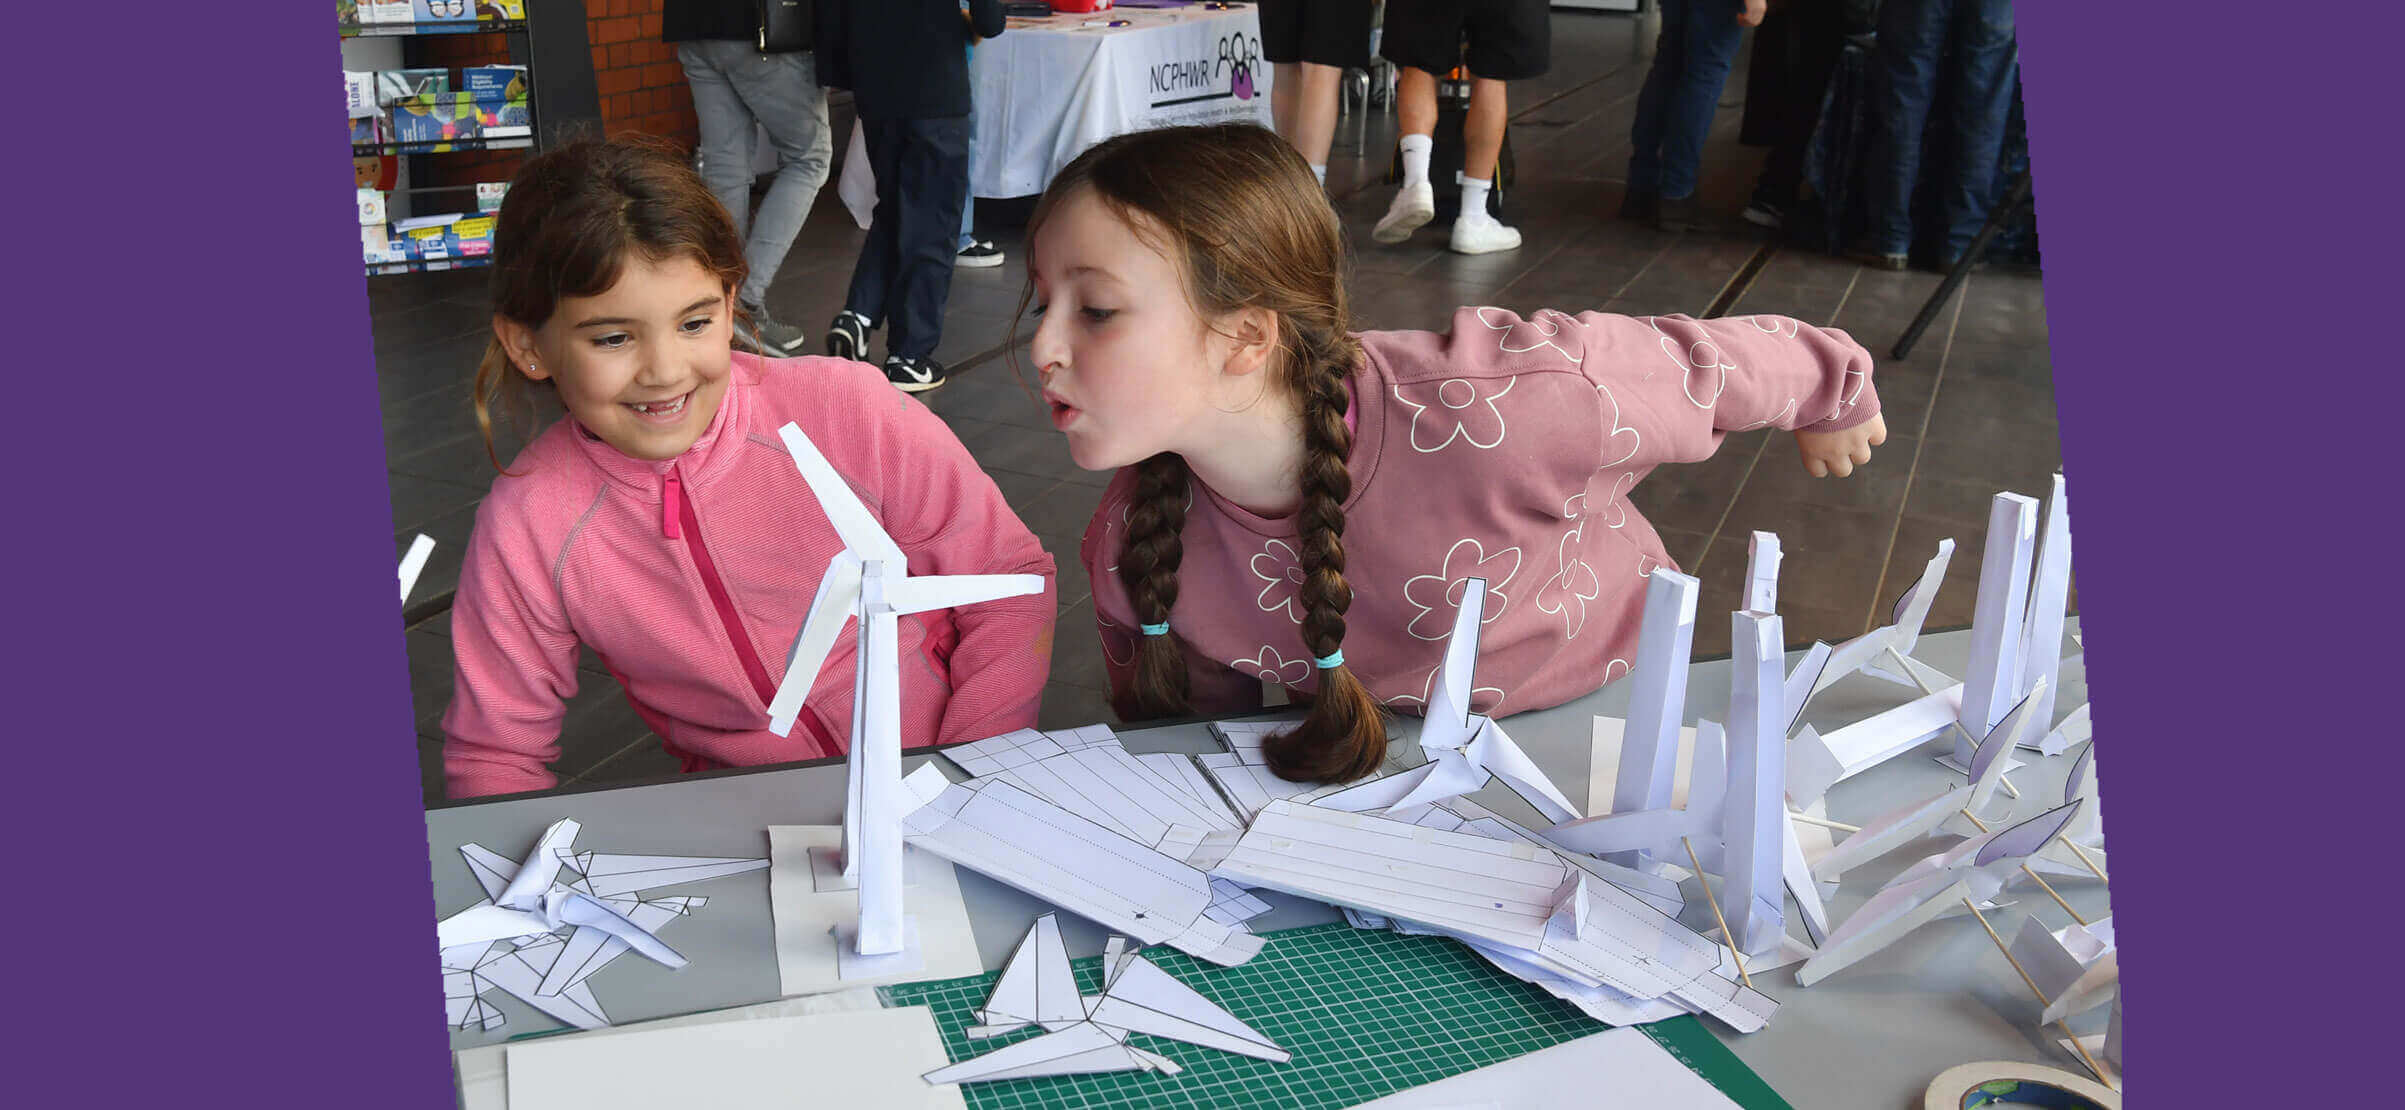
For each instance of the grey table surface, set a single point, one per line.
(1873, 1035)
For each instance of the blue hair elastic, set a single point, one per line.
(1330, 660)
(1161, 629)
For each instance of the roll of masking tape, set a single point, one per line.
(2004, 1084)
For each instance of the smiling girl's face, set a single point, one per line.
(1128, 368)
(644, 364)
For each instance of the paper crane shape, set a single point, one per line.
(1463, 748)
(511, 942)
(869, 582)
(1088, 1033)
(1976, 870)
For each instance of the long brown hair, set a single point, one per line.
(570, 218)
(1246, 220)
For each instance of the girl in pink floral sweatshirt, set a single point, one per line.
(1276, 468)
(662, 523)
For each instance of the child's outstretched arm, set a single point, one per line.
(1675, 386)
(513, 670)
(949, 518)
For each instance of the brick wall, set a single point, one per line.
(642, 87)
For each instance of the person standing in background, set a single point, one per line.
(1674, 110)
(1795, 53)
(906, 62)
(736, 91)
(1971, 44)
(975, 253)
(1309, 45)
(1507, 40)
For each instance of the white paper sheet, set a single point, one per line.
(1249, 786)
(1867, 743)
(806, 918)
(1617, 1069)
(483, 1071)
(1000, 753)
(1754, 813)
(863, 1058)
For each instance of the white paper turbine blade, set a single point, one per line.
(413, 563)
(920, 594)
(1449, 700)
(1145, 999)
(852, 520)
(838, 599)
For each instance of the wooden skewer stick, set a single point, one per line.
(1915, 676)
(1725, 935)
(2058, 899)
(2033, 989)
(2083, 858)
(1823, 822)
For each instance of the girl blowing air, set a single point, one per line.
(662, 523)
(1276, 467)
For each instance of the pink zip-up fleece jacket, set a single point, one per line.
(1504, 450)
(690, 578)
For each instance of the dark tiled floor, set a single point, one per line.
(1969, 414)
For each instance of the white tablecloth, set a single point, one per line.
(1047, 89)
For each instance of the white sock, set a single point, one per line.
(1415, 159)
(1320, 172)
(1473, 199)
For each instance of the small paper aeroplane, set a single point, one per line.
(1088, 1033)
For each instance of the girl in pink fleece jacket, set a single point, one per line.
(663, 525)
(1277, 467)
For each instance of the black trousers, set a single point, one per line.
(905, 269)
(1795, 53)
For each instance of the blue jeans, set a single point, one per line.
(905, 268)
(734, 85)
(1973, 42)
(1674, 110)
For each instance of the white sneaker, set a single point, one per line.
(1413, 207)
(1483, 234)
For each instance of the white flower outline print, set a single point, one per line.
(1703, 359)
(1283, 578)
(1456, 405)
(1449, 584)
(1570, 589)
(1270, 666)
(1428, 686)
(1611, 437)
(1518, 332)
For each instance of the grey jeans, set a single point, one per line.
(733, 86)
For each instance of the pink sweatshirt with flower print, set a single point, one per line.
(1503, 449)
(690, 578)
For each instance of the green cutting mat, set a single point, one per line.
(1365, 1013)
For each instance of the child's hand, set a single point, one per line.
(1838, 453)
(1752, 17)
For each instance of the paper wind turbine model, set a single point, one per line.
(1088, 1033)
(869, 582)
(511, 942)
(1463, 748)
(1972, 872)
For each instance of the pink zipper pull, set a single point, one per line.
(672, 506)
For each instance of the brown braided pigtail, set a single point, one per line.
(1343, 738)
(1148, 568)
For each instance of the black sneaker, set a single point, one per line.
(1878, 259)
(1679, 213)
(914, 375)
(978, 255)
(1638, 205)
(767, 337)
(847, 337)
(1762, 213)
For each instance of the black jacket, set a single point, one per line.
(695, 20)
(902, 59)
